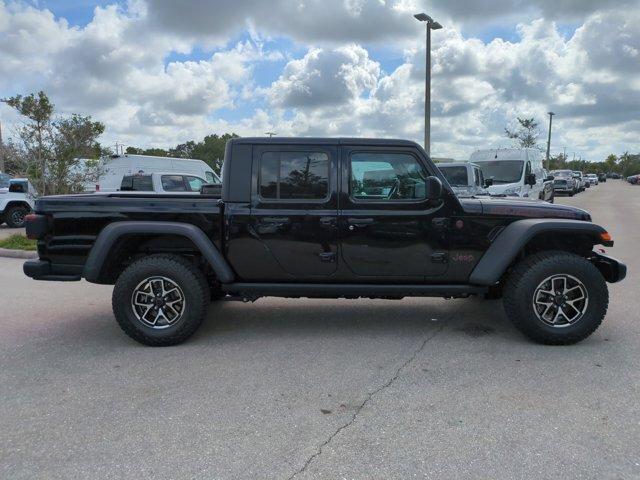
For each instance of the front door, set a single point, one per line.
(294, 210)
(387, 226)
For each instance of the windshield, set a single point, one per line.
(562, 173)
(456, 176)
(502, 171)
(4, 180)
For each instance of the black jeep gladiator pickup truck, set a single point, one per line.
(326, 217)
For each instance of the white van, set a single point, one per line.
(514, 172)
(117, 166)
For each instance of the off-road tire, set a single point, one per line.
(183, 273)
(13, 212)
(524, 278)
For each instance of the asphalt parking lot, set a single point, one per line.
(7, 232)
(306, 389)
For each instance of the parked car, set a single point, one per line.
(513, 172)
(582, 182)
(592, 178)
(4, 182)
(616, 176)
(633, 179)
(164, 182)
(465, 178)
(564, 181)
(117, 166)
(17, 202)
(602, 177)
(548, 193)
(328, 218)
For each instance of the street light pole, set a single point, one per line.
(551, 114)
(430, 24)
(1, 152)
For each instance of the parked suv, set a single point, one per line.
(581, 181)
(326, 218)
(17, 202)
(565, 182)
(592, 178)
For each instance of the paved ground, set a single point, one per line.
(321, 389)
(7, 232)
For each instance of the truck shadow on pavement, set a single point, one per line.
(346, 318)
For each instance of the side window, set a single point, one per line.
(136, 183)
(194, 183)
(528, 168)
(173, 183)
(456, 176)
(294, 175)
(142, 184)
(477, 173)
(209, 177)
(386, 176)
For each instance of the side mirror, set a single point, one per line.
(550, 178)
(530, 179)
(434, 188)
(488, 182)
(211, 189)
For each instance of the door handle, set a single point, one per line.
(360, 222)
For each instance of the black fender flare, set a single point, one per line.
(516, 235)
(109, 234)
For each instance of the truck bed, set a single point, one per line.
(76, 220)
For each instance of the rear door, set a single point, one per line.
(388, 228)
(294, 209)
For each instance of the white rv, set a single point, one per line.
(117, 166)
(516, 172)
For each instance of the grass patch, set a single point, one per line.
(18, 242)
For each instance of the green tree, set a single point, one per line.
(49, 150)
(75, 137)
(36, 133)
(611, 163)
(210, 149)
(526, 133)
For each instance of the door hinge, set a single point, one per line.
(327, 257)
(439, 257)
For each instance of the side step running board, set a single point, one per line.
(333, 290)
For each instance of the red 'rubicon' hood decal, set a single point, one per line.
(508, 207)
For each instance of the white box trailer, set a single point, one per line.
(117, 166)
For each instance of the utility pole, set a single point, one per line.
(1, 151)
(551, 114)
(431, 24)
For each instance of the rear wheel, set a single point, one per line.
(555, 297)
(14, 216)
(160, 300)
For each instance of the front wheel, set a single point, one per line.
(14, 217)
(555, 297)
(160, 300)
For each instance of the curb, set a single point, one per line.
(25, 254)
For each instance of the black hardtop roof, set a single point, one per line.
(325, 141)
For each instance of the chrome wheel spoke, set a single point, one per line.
(158, 302)
(560, 300)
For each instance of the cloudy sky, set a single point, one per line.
(160, 72)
